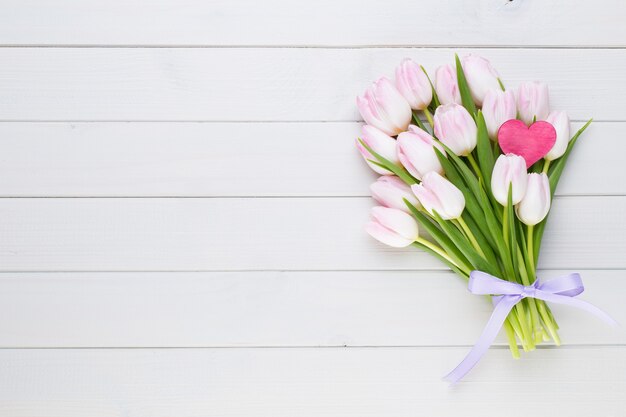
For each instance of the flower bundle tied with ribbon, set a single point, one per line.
(473, 166)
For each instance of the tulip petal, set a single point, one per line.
(386, 236)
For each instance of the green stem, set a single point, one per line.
(546, 166)
(531, 251)
(505, 227)
(547, 320)
(534, 314)
(418, 122)
(474, 165)
(510, 335)
(442, 253)
(470, 236)
(429, 117)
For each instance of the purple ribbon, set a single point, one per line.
(561, 290)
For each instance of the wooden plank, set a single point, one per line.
(221, 309)
(344, 22)
(231, 160)
(577, 382)
(292, 84)
(188, 234)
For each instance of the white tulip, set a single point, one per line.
(560, 121)
(535, 205)
(509, 171)
(392, 227)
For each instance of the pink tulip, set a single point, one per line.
(417, 154)
(455, 127)
(560, 120)
(446, 85)
(391, 191)
(533, 101)
(535, 205)
(498, 107)
(509, 171)
(383, 107)
(392, 227)
(438, 194)
(380, 143)
(413, 84)
(480, 76)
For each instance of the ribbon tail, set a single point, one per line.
(575, 302)
(491, 330)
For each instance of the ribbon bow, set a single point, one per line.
(561, 290)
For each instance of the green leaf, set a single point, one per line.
(554, 174)
(461, 242)
(419, 123)
(479, 234)
(466, 95)
(435, 101)
(483, 149)
(472, 204)
(388, 165)
(441, 258)
(467, 174)
(444, 241)
(512, 231)
(559, 165)
(495, 228)
(536, 167)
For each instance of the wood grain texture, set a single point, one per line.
(308, 382)
(252, 290)
(301, 23)
(232, 160)
(226, 309)
(190, 234)
(285, 84)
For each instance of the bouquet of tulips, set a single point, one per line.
(468, 171)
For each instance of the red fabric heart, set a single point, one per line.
(532, 143)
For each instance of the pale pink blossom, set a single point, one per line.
(416, 151)
(455, 127)
(436, 193)
(413, 84)
(480, 76)
(392, 227)
(509, 171)
(535, 205)
(498, 107)
(391, 191)
(560, 120)
(383, 107)
(533, 101)
(380, 143)
(446, 85)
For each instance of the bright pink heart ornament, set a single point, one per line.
(530, 142)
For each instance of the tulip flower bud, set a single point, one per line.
(383, 107)
(446, 85)
(498, 107)
(509, 171)
(533, 101)
(391, 191)
(560, 121)
(416, 152)
(392, 227)
(455, 127)
(438, 194)
(380, 143)
(413, 84)
(535, 205)
(480, 76)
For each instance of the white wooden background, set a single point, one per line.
(182, 209)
